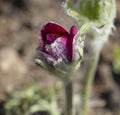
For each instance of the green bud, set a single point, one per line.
(97, 12)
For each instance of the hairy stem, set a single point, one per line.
(69, 98)
(90, 72)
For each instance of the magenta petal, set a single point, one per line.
(50, 38)
(73, 32)
(58, 49)
(53, 28)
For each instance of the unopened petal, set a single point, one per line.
(73, 33)
(53, 28)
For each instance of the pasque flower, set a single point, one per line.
(58, 51)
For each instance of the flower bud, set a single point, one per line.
(59, 52)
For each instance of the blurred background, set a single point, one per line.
(20, 22)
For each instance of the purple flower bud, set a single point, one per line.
(57, 48)
(56, 42)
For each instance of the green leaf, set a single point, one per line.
(84, 28)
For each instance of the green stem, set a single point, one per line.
(69, 98)
(94, 57)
